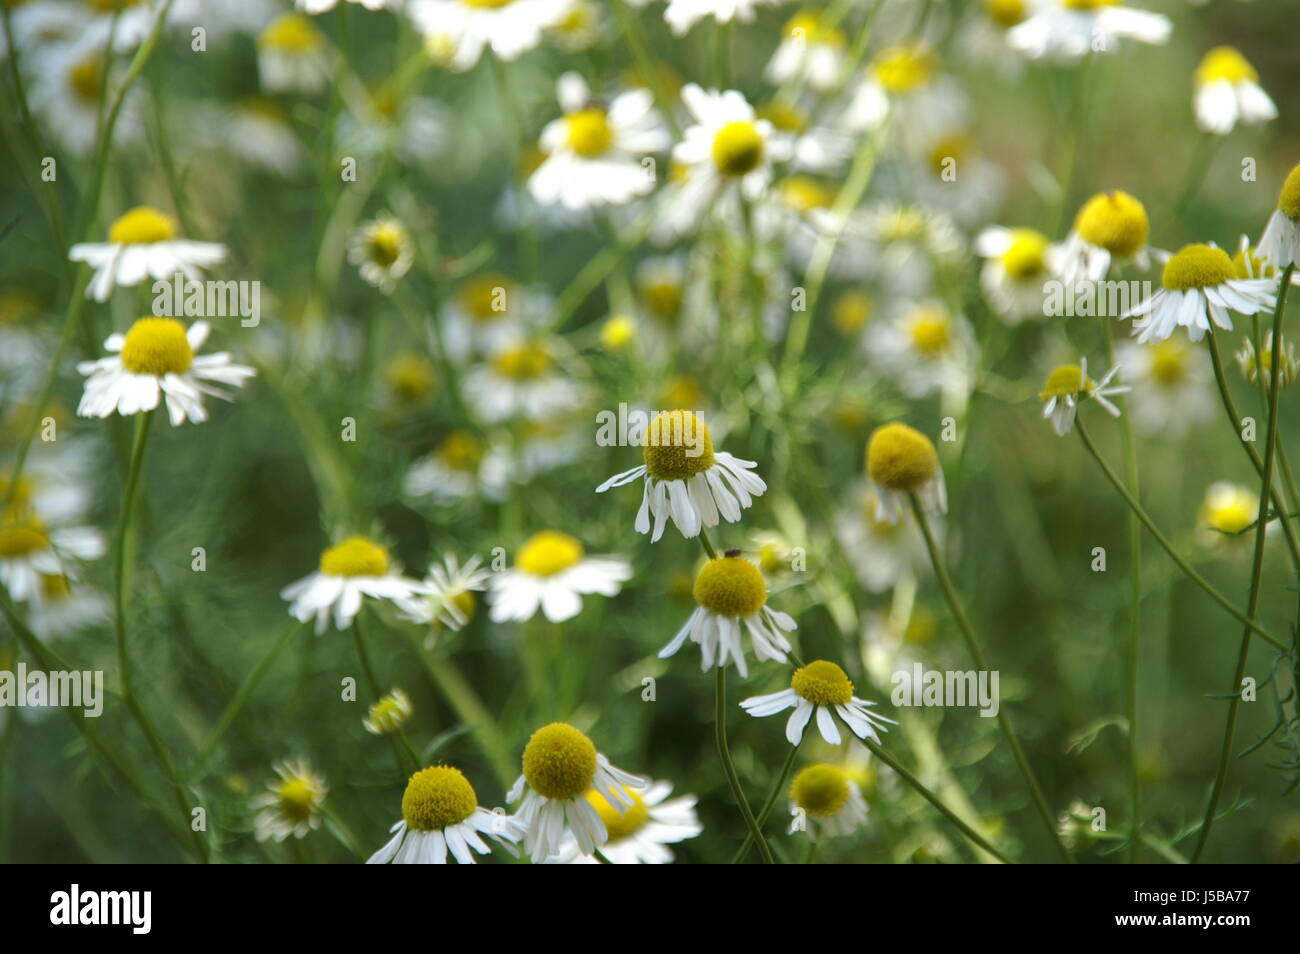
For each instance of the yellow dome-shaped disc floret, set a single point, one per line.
(157, 346)
(678, 446)
(389, 713)
(142, 225)
(1289, 199)
(851, 311)
(355, 556)
(559, 761)
(461, 451)
(730, 586)
(823, 683)
(1114, 221)
(1247, 264)
(291, 33)
(737, 148)
(620, 824)
(1169, 362)
(1005, 13)
(588, 132)
(1026, 254)
(902, 69)
(487, 297)
(820, 790)
(1196, 266)
(548, 553)
(385, 242)
(298, 798)
(618, 332)
(1225, 64)
(1064, 381)
(1090, 4)
(526, 362)
(901, 458)
(436, 798)
(930, 331)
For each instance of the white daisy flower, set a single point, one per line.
(156, 361)
(580, 28)
(824, 688)
(685, 479)
(383, 251)
(440, 817)
(414, 129)
(355, 568)
(926, 348)
(1070, 29)
(488, 312)
(1015, 275)
(41, 23)
(36, 555)
(1200, 283)
(681, 15)
(640, 833)
(560, 766)
(908, 244)
(64, 607)
(1172, 383)
(1280, 243)
(257, 131)
(730, 590)
(902, 461)
(143, 244)
(1069, 384)
(388, 713)
(67, 91)
(825, 800)
(292, 56)
(1254, 366)
(1110, 226)
(1228, 90)
(447, 597)
(903, 84)
(814, 141)
(811, 53)
(551, 573)
(521, 379)
(465, 28)
(1227, 510)
(292, 806)
(459, 468)
(881, 551)
(595, 154)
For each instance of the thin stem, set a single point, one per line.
(402, 749)
(708, 547)
(977, 653)
(720, 724)
(772, 796)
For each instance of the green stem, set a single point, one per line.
(729, 768)
(772, 797)
(402, 750)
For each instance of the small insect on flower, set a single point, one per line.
(639, 834)
(686, 479)
(389, 713)
(1200, 282)
(143, 244)
(1070, 29)
(551, 573)
(1253, 366)
(824, 800)
(1228, 90)
(383, 252)
(292, 805)
(465, 28)
(355, 568)
(1069, 384)
(446, 597)
(823, 687)
(1280, 243)
(292, 56)
(902, 461)
(440, 816)
(560, 766)
(1111, 226)
(155, 360)
(730, 590)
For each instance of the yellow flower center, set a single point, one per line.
(436, 798)
(1247, 264)
(559, 761)
(291, 33)
(625, 823)
(18, 539)
(385, 242)
(55, 587)
(548, 553)
(1026, 255)
(730, 586)
(1005, 13)
(823, 684)
(901, 458)
(486, 298)
(1169, 362)
(1090, 4)
(1197, 266)
(902, 69)
(1289, 200)
(1114, 221)
(461, 451)
(1066, 380)
(86, 78)
(820, 790)
(589, 132)
(618, 332)
(390, 713)
(784, 117)
(523, 363)
(157, 346)
(737, 148)
(851, 312)
(1230, 509)
(1225, 64)
(663, 297)
(141, 226)
(490, 4)
(355, 556)
(297, 797)
(804, 194)
(678, 446)
(807, 26)
(930, 331)
(411, 376)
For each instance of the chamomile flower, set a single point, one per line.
(446, 597)
(522, 378)
(552, 573)
(383, 252)
(292, 805)
(909, 243)
(465, 28)
(811, 53)
(1016, 271)
(64, 606)
(258, 132)
(489, 311)
(1228, 91)
(355, 568)
(684, 478)
(1227, 510)
(641, 828)
(926, 348)
(881, 551)
(821, 687)
(1171, 381)
(902, 461)
(1253, 366)
(441, 816)
(389, 713)
(594, 153)
(560, 766)
(292, 56)
(1069, 384)
(1111, 226)
(903, 84)
(825, 800)
(580, 27)
(67, 91)
(1280, 243)
(461, 466)
(730, 590)
(142, 244)
(681, 15)
(32, 550)
(1070, 29)
(1200, 283)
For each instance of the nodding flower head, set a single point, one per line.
(1114, 221)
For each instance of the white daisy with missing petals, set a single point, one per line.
(686, 479)
(640, 834)
(730, 590)
(143, 244)
(465, 28)
(551, 573)
(1228, 91)
(441, 816)
(825, 800)
(824, 688)
(447, 597)
(1070, 29)
(292, 805)
(1068, 385)
(155, 361)
(383, 251)
(355, 568)
(1200, 283)
(595, 153)
(560, 766)
(1280, 243)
